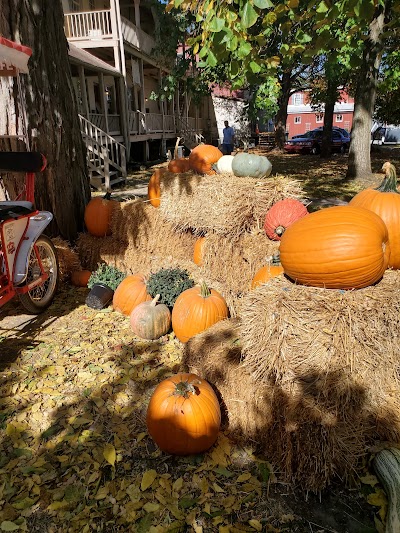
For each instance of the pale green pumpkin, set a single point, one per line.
(255, 166)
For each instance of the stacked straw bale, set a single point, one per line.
(223, 203)
(68, 259)
(141, 241)
(316, 382)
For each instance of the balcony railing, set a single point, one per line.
(113, 121)
(137, 37)
(91, 25)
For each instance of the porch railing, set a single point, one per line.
(113, 121)
(137, 37)
(143, 123)
(88, 25)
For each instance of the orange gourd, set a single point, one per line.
(196, 310)
(98, 214)
(80, 278)
(130, 293)
(342, 247)
(183, 416)
(179, 165)
(272, 269)
(154, 189)
(385, 202)
(198, 251)
(281, 216)
(202, 157)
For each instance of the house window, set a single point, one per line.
(308, 126)
(319, 118)
(92, 5)
(297, 99)
(347, 125)
(297, 120)
(339, 118)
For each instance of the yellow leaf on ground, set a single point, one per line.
(148, 477)
(151, 507)
(178, 484)
(243, 477)
(109, 454)
(255, 524)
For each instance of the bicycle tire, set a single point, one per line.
(39, 298)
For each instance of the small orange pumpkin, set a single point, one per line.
(202, 157)
(198, 251)
(130, 293)
(183, 416)
(385, 202)
(341, 247)
(154, 189)
(267, 272)
(80, 278)
(281, 215)
(98, 214)
(196, 310)
(179, 165)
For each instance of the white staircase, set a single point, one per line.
(106, 158)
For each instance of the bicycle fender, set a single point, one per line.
(36, 225)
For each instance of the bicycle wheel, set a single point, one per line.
(41, 296)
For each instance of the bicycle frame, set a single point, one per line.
(20, 226)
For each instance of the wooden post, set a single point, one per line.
(85, 103)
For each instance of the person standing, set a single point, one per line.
(228, 139)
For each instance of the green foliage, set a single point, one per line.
(387, 107)
(106, 274)
(169, 283)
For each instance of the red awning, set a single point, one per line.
(13, 57)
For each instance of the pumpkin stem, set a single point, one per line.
(107, 196)
(155, 300)
(204, 290)
(389, 183)
(176, 148)
(280, 230)
(184, 388)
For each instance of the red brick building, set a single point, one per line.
(302, 117)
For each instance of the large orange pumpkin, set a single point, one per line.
(202, 157)
(385, 202)
(272, 269)
(196, 310)
(179, 165)
(154, 189)
(282, 215)
(98, 214)
(183, 416)
(198, 251)
(130, 293)
(341, 247)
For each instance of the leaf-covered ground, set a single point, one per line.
(74, 452)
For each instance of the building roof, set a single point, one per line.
(78, 56)
(340, 107)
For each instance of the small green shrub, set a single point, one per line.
(106, 274)
(169, 283)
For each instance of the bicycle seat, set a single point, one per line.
(22, 162)
(14, 210)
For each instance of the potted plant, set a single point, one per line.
(102, 284)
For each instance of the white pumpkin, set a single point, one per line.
(224, 164)
(256, 166)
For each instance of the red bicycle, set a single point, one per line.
(28, 260)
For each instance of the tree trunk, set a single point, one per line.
(360, 145)
(281, 116)
(331, 97)
(52, 114)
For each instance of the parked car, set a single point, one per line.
(310, 142)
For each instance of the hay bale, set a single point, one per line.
(68, 259)
(304, 431)
(335, 357)
(233, 262)
(223, 203)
